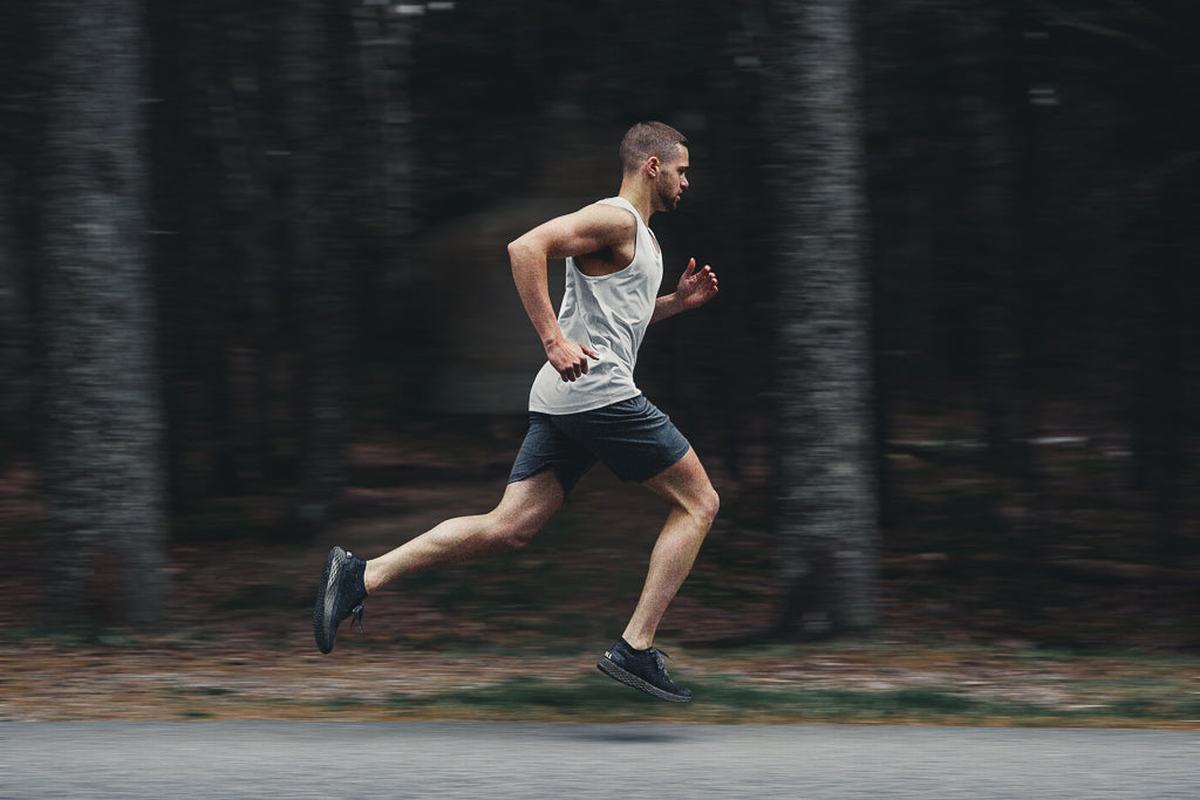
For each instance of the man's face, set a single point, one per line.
(671, 181)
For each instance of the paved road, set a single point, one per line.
(567, 761)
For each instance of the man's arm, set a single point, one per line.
(586, 231)
(694, 290)
(666, 305)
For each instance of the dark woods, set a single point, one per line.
(956, 251)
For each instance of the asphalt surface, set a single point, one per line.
(651, 761)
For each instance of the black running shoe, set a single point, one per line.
(642, 669)
(339, 595)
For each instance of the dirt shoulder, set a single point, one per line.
(155, 678)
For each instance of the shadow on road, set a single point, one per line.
(617, 735)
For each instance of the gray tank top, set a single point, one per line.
(610, 314)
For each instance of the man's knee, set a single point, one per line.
(704, 505)
(512, 530)
(710, 504)
(526, 506)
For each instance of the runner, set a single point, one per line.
(584, 406)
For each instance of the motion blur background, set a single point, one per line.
(255, 300)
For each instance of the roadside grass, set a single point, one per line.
(767, 682)
(724, 700)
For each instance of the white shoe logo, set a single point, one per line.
(608, 654)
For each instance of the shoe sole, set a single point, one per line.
(629, 679)
(321, 633)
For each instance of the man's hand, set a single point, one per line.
(569, 358)
(695, 288)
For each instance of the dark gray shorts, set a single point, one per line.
(632, 437)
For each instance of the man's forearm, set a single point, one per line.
(665, 306)
(529, 274)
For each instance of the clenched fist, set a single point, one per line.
(569, 358)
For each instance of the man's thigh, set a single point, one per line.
(685, 483)
(532, 500)
(632, 437)
(548, 450)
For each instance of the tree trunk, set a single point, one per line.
(316, 193)
(828, 532)
(248, 95)
(384, 173)
(14, 324)
(1005, 216)
(19, 142)
(103, 482)
(1161, 207)
(397, 33)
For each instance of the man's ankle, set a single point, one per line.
(371, 579)
(638, 642)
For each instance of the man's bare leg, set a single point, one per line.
(694, 503)
(524, 509)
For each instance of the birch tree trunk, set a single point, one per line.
(103, 482)
(828, 533)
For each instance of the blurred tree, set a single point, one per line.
(827, 521)
(384, 40)
(14, 320)
(977, 34)
(1156, 50)
(880, 111)
(315, 64)
(210, 249)
(239, 85)
(103, 476)
(167, 143)
(193, 252)
(19, 113)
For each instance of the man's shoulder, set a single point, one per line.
(609, 207)
(612, 217)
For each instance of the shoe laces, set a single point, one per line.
(658, 659)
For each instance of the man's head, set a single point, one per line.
(657, 153)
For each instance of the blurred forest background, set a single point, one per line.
(253, 285)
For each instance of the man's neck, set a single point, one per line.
(638, 194)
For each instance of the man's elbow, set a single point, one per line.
(521, 248)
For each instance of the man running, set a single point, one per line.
(583, 407)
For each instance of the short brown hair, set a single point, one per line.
(647, 139)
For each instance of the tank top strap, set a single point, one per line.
(641, 224)
(625, 204)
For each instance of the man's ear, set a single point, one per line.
(652, 164)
